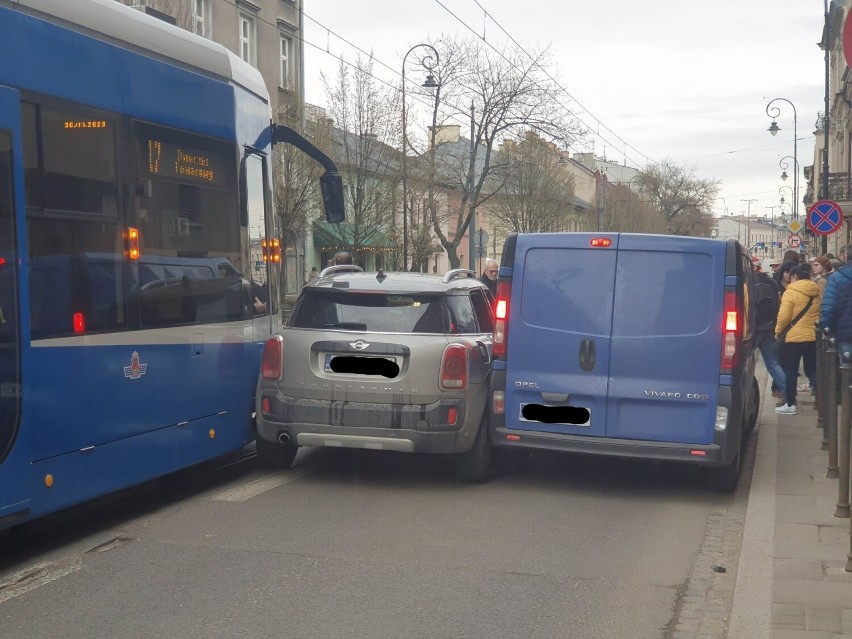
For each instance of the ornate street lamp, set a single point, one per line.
(773, 112)
(429, 63)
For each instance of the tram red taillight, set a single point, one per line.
(78, 320)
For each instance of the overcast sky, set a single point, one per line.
(681, 80)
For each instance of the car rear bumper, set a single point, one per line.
(422, 428)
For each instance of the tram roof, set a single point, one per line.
(112, 21)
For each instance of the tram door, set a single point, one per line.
(14, 445)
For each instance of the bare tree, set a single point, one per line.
(499, 96)
(630, 211)
(683, 200)
(538, 191)
(297, 176)
(366, 129)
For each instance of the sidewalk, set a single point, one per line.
(791, 580)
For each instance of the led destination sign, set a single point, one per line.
(85, 124)
(171, 160)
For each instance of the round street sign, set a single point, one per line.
(825, 217)
(794, 241)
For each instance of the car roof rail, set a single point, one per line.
(456, 273)
(341, 268)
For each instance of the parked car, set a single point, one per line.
(388, 361)
(626, 345)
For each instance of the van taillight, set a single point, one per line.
(730, 332)
(501, 319)
(454, 368)
(272, 364)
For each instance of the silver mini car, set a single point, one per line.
(386, 361)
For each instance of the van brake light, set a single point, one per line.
(730, 333)
(501, 321)
(600, 242)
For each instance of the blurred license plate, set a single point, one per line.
(568, 415)
(329, 357)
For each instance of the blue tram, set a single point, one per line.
(135, 173)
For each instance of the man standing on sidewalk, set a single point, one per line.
(836, 310)
(767, 301)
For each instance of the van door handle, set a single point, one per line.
(587, 354)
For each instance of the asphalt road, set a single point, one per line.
(371, 545)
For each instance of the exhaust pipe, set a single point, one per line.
(283, 438)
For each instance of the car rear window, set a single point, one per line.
(380, 312)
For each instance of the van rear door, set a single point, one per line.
(560, 320)
(666, 339)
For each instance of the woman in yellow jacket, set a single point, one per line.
(800, 341)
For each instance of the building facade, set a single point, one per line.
(839, 139)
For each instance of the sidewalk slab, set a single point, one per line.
(802, 580)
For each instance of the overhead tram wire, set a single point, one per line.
(625, 144)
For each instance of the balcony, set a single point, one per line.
(840, 189)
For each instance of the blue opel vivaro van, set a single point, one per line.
(627, 345)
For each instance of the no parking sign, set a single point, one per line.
(825, 217)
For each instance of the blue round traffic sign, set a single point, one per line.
(825, 217)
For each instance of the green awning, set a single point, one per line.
(342, 236)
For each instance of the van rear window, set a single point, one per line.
(663, 294)
(571, 289)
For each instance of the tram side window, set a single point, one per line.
(77, 267)
(189, 225)
(76, 168)
(10, 363)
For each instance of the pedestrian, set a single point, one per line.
(836, 310)
(822, 268)
(782, 275)
(792, 256)
(313, 274)
(795, 335)
(767, 296)
(343, 257)
(489, 275)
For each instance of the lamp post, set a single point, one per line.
(773, 112)
(428, 63)
(748, 224)
(630, 191)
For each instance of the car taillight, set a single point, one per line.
(272, 364)
(501, 319)
(454, 368)
(730, 332)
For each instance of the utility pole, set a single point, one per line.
(772, 226)
(825, 118)
(748, 224)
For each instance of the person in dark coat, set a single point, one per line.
(836, 309)
(489, 275)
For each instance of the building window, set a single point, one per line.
(201, 18)
(247, 40)
(286, 47)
